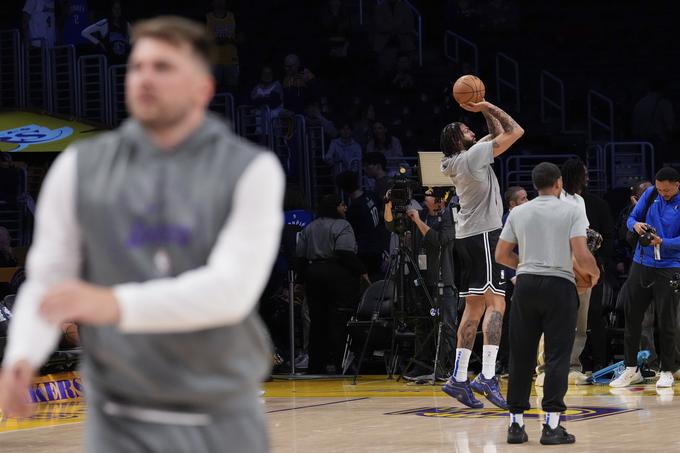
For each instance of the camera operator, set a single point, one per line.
(431, 248)
(656, 220)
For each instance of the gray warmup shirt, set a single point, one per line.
(324, 236)
(542, 229)
(133, 201)
(481, 205)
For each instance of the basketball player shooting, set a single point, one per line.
(469, 164)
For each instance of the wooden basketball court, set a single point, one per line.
(380, 415)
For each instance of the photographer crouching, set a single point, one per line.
(432, 244)
(656, 220)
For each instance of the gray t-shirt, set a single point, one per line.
(321, 238)
(481, 206)
(542, 229)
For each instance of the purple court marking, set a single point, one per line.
(582, 413)
(317, 405)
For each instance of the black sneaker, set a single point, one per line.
(556, 436)
(517, 434)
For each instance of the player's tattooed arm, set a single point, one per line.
(493, 125)
(506, 122)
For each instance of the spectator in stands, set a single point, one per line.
(75, 17)
(268, 92)
(344, 153)
(314, 117)
(394, 31)
(403, 80)
(39, 23)
(375, 168)
(111, 34)
(221, 25)
(363, 126)
(653, 119)
(6, 256)
(383, 142)
(329, 266)
(10, 180)
(368, 225)
(300, 86)
(336, 28)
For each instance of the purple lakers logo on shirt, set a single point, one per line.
(33, 134)
(146, 234)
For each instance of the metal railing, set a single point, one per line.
(600, 117)
(518, 168)
(63, 79)
(552, 99)
(630, 161)
(223, 104)
(454, 52)
(254, 123)
(419, 25)
(596, 162)
(507, 85)
(116, 94)
(11, 69)
(92, 100)
(36, 72)
(319, 176)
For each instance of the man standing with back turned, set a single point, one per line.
(547, 233)
(148, 238)
(469, 164)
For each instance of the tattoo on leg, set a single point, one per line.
(494, 327)
(466, 334)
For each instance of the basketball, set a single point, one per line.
(468, 88)
(70, 334)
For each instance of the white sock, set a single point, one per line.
(489, 354)
(552, 419)
(461, 368)
(517, 418)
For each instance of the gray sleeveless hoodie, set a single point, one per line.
(135, 201)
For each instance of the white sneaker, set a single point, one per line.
(578, 378)
(539, 380)
(629, 377)
(665, 380)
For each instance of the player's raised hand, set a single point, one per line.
(475, 106)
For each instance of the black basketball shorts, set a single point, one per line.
(477, 268)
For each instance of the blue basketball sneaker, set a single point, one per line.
(490, 389)
(462, 392)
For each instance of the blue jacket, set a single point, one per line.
(665, 217)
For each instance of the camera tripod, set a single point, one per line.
(400, 267)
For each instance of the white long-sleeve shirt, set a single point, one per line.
(223, 292)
